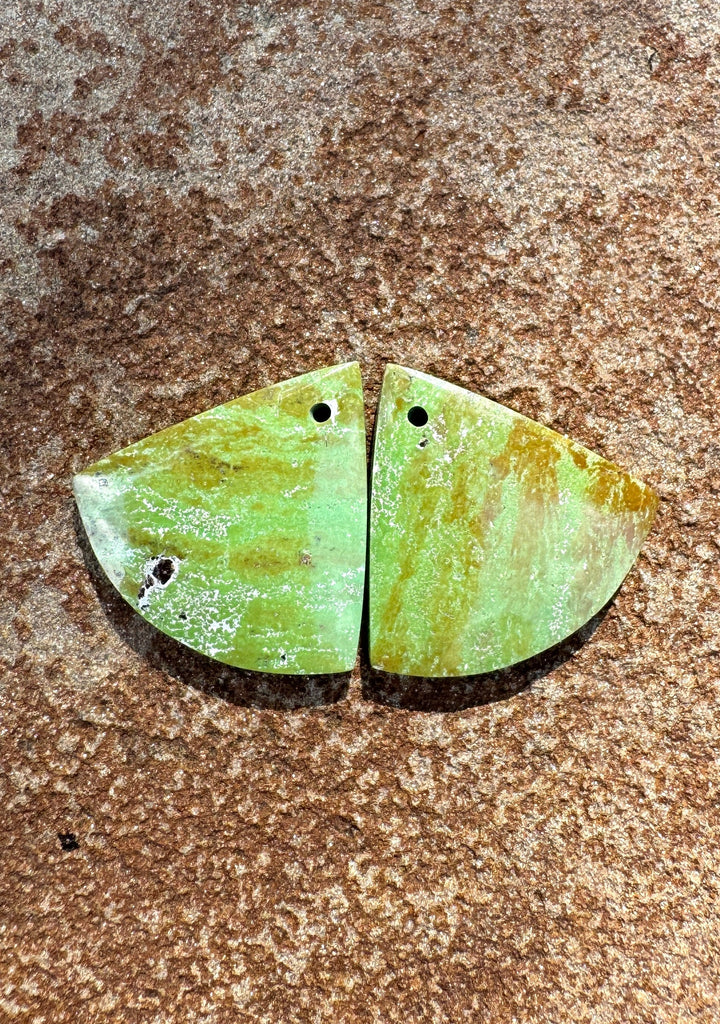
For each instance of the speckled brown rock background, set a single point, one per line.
(202, 198)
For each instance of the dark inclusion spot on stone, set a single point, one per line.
(417, 416)
(162, 571)
(68, 841)
(321, 412)
(183, 616)
(423, 443)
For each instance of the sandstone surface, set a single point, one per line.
(199, 199)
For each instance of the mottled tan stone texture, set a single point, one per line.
(202, 199)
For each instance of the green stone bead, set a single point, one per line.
(241, 532)
(491, 537)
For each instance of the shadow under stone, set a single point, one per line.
(237, 686)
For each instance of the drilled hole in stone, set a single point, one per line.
(418, 416)
(321, 412)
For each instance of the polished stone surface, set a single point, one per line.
(241, 531)
(492, 538)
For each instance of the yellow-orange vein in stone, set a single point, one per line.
(492, 537)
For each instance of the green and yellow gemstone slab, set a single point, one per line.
(491, 537)
(241, 532)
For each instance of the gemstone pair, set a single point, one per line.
(241, 532)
